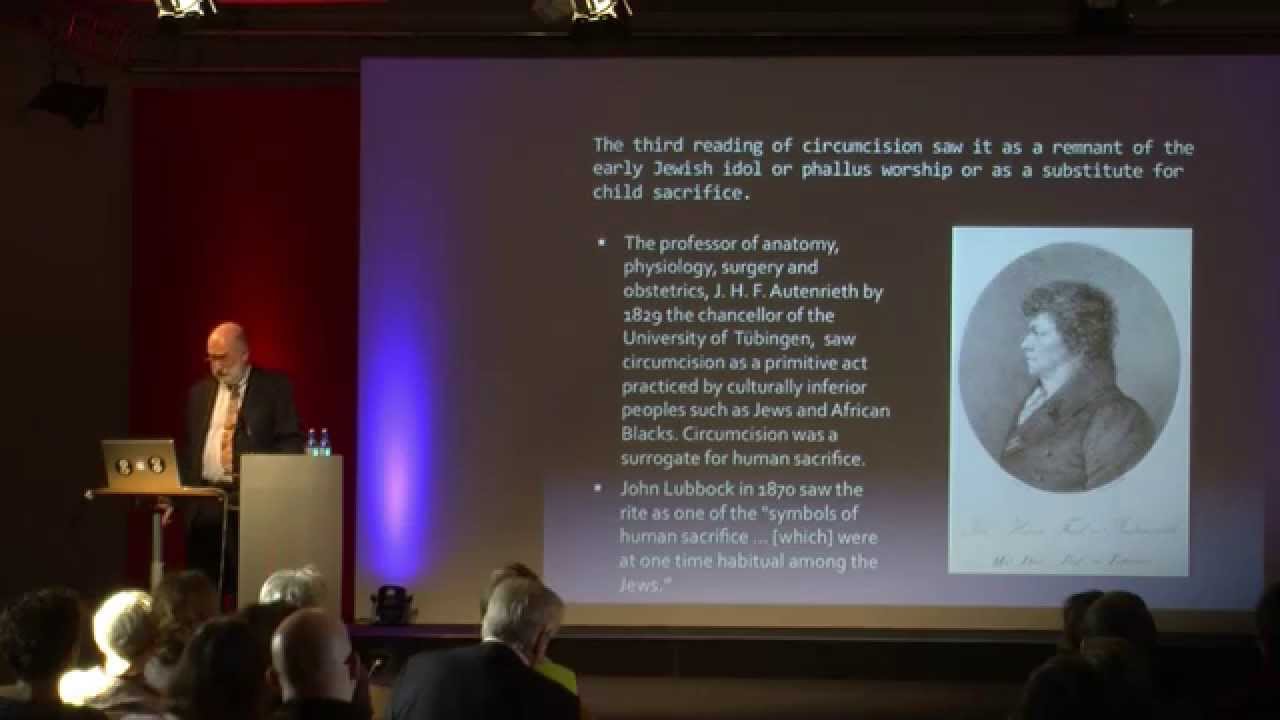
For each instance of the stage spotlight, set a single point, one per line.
(184, 8)
(581, 11)
(392, 605)
(79, 104)
(598, 10)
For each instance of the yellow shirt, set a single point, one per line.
(558, 673)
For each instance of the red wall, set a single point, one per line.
(245, 208)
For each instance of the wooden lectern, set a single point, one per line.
(290, 516)
(158, 496)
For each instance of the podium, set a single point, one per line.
(290, 516)
(157, 529)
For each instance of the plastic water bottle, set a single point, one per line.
(324, 450)
(313, 447)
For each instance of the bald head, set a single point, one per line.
(229, 332)
(228, 353)
(311, 657)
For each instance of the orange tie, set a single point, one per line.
(229, 429)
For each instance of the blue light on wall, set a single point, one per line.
(404, 227)
(395, 459)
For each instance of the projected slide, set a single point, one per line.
(1070, 455)
(733, 333)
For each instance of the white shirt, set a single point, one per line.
(211, 463)
(1047, 386)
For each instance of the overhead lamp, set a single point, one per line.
(581, 11)
(600, 10)
(184, 8)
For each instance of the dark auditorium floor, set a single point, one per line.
(650, 698)
(791, 677)
(700, 698)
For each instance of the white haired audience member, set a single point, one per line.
(127, 635)
(494, 679)
(302, 587)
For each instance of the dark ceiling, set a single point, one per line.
(762, 16)
(329, 38)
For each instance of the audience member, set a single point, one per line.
(510, 570)
(1125, 673)
(316, 669)
(40, 638)
(1267, 621)
(546, 666)
(1073, 611)
(492, 680)
(180, 604)
(1121, 614)
(222, 674)
(1064, 688)
(1259, 696)
(302, 587)
(263, 620)
(126, 633)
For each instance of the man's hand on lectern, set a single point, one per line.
(164, 504)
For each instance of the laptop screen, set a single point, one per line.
(143, 466)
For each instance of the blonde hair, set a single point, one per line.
(125, 630)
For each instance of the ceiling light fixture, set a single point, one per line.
(185, 8)
(581, 11)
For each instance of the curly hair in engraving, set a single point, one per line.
(1084, 315)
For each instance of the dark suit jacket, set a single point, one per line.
(18, 710)
(268, 421)
(480, 682)
(1084, 436)
(318, 709)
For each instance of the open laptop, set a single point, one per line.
(142, 466)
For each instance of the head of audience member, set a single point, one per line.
(222, 674)
(1121, 614)
(510, 570)
(1073, 610)
(1125, 673)
(125, 631)
(228, 353)
(312, 658)
(1064, 688)
(525, 615)
(181, 602)
(302, 587)
(263, 620)
(40, 638)
(1267, 618)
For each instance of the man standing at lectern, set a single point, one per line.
(238, 409)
